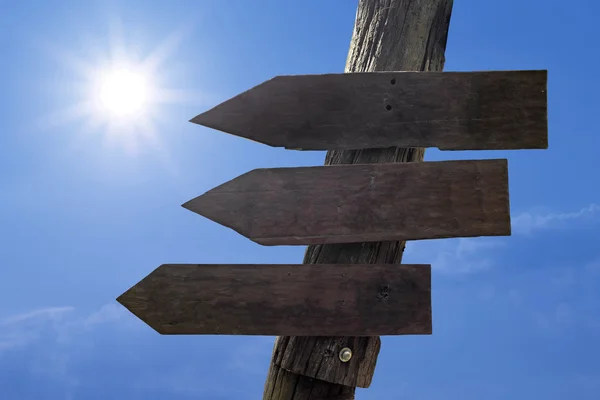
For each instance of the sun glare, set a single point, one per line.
(118, 91)
(122, 92)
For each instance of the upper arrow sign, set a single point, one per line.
(363, 203)
(448, 110)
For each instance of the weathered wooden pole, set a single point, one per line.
(389, 35)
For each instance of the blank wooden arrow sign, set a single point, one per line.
(290, 300)
(449, 110)
(363, 203)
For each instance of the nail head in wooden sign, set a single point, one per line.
(284, 300)
(363, 203)
(449, 110)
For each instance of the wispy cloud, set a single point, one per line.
(49, 313)
(51, 340)
(526, 223)
(469, 255)
(455, 256)
(72, 328)
(19, 330)
(61, 323)
(558, 298)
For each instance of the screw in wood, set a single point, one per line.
(345, 354)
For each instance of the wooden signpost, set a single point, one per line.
(329, 314)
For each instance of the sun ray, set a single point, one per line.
(73, 113)
(164, 50)
(116, 38)
(118, 91)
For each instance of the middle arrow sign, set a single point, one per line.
(363, 203)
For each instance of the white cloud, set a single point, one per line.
(559, 299)
(51, 339)
(60, 323)
(36, 315)
(526, 223)
(454, 256)
(107, 313)
(76, 326)
(469, 255)
(467, 246)
(19, 330)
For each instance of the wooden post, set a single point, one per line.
(389, 35)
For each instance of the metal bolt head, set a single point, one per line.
(345, 354)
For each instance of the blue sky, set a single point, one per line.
(84, 215)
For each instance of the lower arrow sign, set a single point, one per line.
(284, 300)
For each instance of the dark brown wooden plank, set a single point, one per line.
(363, 203)
(489, 110)
(330, 300)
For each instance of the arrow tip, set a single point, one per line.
(214, 118)
(196, 205)
(122, 299)
(199, 119)
(187, 205)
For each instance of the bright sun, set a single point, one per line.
(118, 92)
(122, 92)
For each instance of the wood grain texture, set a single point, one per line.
(282, 384)
(490, 110)
(363, 203)
(323, 300)
(356, 372)
(388, 35)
